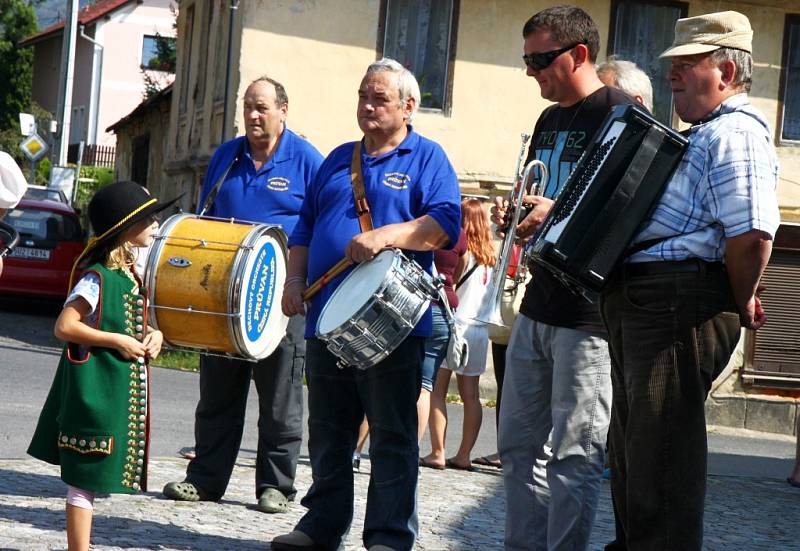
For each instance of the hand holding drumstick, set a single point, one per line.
(363, 246)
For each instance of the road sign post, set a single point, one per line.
(34, 147)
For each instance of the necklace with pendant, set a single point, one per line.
(574, 115)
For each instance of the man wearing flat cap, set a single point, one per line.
(675, 308)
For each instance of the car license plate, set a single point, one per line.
(30, 253)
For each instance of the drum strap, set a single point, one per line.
(359, 193)
(212, 195)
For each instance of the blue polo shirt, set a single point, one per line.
(271, 195)
(414, 179)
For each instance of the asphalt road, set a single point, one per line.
(29, 353)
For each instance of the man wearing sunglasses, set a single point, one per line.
(557, 389)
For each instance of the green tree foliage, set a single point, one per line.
(17, 21)
(165, 57)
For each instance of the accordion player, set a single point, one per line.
(610, 192)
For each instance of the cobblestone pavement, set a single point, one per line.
(457, 511)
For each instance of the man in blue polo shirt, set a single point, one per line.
(264, 176)
(413, 197)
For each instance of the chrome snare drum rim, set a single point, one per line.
(387, 316)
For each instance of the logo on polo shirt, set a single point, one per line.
(278, 183)
(396, 180)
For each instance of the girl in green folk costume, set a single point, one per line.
(95, 421)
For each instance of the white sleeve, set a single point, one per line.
(89, 288)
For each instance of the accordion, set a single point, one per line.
(610, 192)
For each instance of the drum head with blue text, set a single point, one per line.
(262, 324)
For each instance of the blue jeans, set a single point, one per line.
(552, 436)
(338, 399)
(435, 347)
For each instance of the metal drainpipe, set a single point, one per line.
(226, 110)
(96, 110)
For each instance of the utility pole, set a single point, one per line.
(65, 81)
(226, 110)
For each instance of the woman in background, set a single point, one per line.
(470, 289)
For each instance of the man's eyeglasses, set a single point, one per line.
(537, 62)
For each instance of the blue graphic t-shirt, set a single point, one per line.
(271, 195)
(414, 179)
(559, 139)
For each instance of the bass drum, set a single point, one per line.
(216, 285)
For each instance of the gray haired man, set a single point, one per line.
(418, 216)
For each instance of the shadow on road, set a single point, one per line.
(126, 533)
(725, 464)
(33, 321)
(16, 483)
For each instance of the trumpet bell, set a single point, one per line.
(490, 313)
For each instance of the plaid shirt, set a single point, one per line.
(723, 187)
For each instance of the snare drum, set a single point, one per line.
(375, 308)
(216, 285)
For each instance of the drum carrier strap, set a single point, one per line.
(364, 221)
(212, 195)
(359, 193)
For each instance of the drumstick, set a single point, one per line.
(323, 280)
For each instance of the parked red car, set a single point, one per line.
(50, 239)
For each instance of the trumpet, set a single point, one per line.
(490, 312)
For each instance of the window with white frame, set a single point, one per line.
(790, 90)
(420, 34)
(640, 31)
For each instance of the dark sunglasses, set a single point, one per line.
(537, 62)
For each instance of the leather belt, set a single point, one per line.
(689, 266)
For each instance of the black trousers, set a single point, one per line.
(499, 364)
(219, 418)
(670, 335)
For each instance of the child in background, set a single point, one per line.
(95, 421)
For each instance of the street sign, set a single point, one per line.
(27, 124)
(34, 147)
(63, 178)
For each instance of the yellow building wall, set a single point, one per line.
(320, 50)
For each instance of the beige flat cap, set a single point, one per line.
(709, 32)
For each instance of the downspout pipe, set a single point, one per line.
(226, 108)
(94, 106)
(65, 82)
